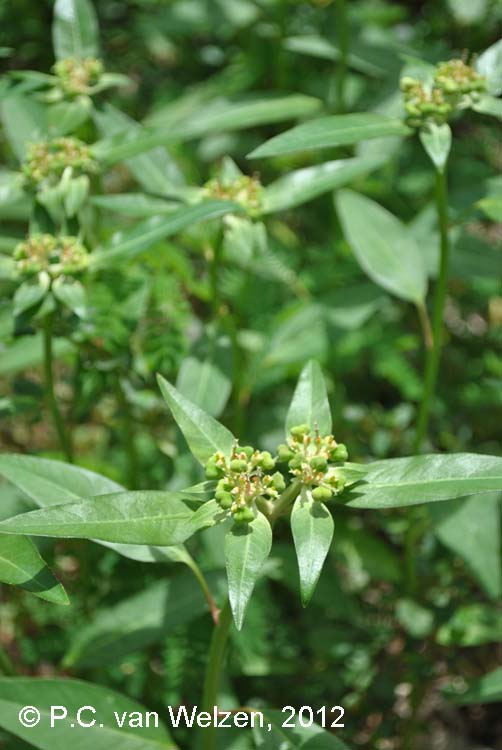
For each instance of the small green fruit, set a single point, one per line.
(244, 515)
(296, 462)
(212, 471)
(284, 453)
(267, 463)
(340, 453)
(278, 482)
(300, 430)
(238, 464)
(247, 449)
(321, 494)
(318, 463)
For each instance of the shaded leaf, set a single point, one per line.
(310, 403)
(75, 29)
(22, 565)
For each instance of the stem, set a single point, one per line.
(342, 22)
(285, 500)
(425, 325)
(434, 354)
(213, 672)
(130, 443)
(57, 419)
(199, 575)
(214, 272)
(6, 666)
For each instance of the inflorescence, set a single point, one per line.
(46, 161)
(455, 86)
(57, 256)
(244, 190)
(78, 76)
(249, 477)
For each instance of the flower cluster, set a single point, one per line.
(57, 256)
(78, 76)
(244, 190)
(46, 161)
(312, 460)
(455, 85)
(243, 480)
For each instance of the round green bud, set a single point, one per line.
(300, 430)
(318, 463)
(266, 461)
(212, 471)
(243, 515)
(224, 484)
(238, 464)
(247, 449)
(321, 494)
(278, 482)
(340, 453)
(225, 499)
(284, 453)
(296, 462)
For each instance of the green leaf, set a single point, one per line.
(489, 64)
(204, 383)
(71, 294)
(386, 252)
(150, 517)
(147, 233)
(21, 565)
(64, 118)
(472, 625)
(436, 140)
(303, 185)
(470, 527)
(18, 692)
(29, 294)
(488, 105)
(418, 621)
(24, 121)
(327, 132)
(275, 735)
(136, 622)
(310, 403)
(247, 546)
(204, 435)
(487, 689)
(399, 482)
(75, 29)
(28, 351)
(313, 528)
(135, 205)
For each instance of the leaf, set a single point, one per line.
(75, 29)
(24, 121)
(136, 622)
(22, 565)
(71, 294)
(384, 249)
(147, 233)
(436, 140)
(274, 735)
(327, 132)
(399, 482)
(303, 185)
(18, 692)
(150, 517)
(472, 625)
(204, 383)
(418, 621)
(29, 294)
(471, 528)
(489, 64)
(313, 528)
(487, 689)
(135, 205)
(310, 403)
(28, 351)
(247, 546)
(488, 105)
(204, 435)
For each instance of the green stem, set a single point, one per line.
(214, 273)
(199, 575)
(129, 438)
(57, 419)
(213, 672)
(6, 666)
(285, 500)
(343, 34)
(434, 354)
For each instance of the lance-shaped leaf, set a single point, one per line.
(110, 710)
(163, 518)
(202, 432)
(384, 249)
(313, 528)
(436, 140)
(75, 29)
(21, 565)
(303, 185)
(148, 232)
(310, 403)
(247, 546)
(327, 132)
(24, 121)
(399, 482)
(274, 734)
(489, 64)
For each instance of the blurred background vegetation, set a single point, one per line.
(369, 636)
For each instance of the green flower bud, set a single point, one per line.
(212, 471)
(296, 462)
(278, 482)
(224, 484)
(243, 515)
(266, 461)
(340, 453)
(225, 499)
(300, 430)
(238, 464)
(284, 453)
(321, 494)
(247, 449)
(318, 463)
